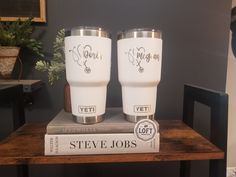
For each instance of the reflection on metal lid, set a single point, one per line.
(139, 33)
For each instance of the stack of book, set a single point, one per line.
(114, 135)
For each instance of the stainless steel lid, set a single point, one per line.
(88, 31)
(139, 33)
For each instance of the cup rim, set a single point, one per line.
(139, 33)
(88, 31)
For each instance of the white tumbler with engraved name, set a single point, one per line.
(139, 71)
(88, 63)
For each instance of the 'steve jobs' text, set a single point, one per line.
(103, 144)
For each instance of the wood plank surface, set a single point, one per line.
(178, 142)
(28, 85)
(23, 82)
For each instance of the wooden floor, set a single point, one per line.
(177, 142)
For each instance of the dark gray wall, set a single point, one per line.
(195, 45)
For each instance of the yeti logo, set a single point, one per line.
(87, 109)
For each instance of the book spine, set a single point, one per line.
(87, 130)
(117, 143)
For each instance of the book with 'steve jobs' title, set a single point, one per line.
(114, 122)
(115, 143)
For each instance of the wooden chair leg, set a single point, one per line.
(18, 121)
(22, 171)
(185, 168)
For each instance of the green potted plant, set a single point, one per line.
(13, 36)
(54, 67)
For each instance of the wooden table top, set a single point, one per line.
(28, 85)
(177, 142)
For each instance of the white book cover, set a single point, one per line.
(115, 143)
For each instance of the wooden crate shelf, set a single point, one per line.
(177, 142)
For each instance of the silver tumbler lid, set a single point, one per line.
(139, 33)
(88, 31)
